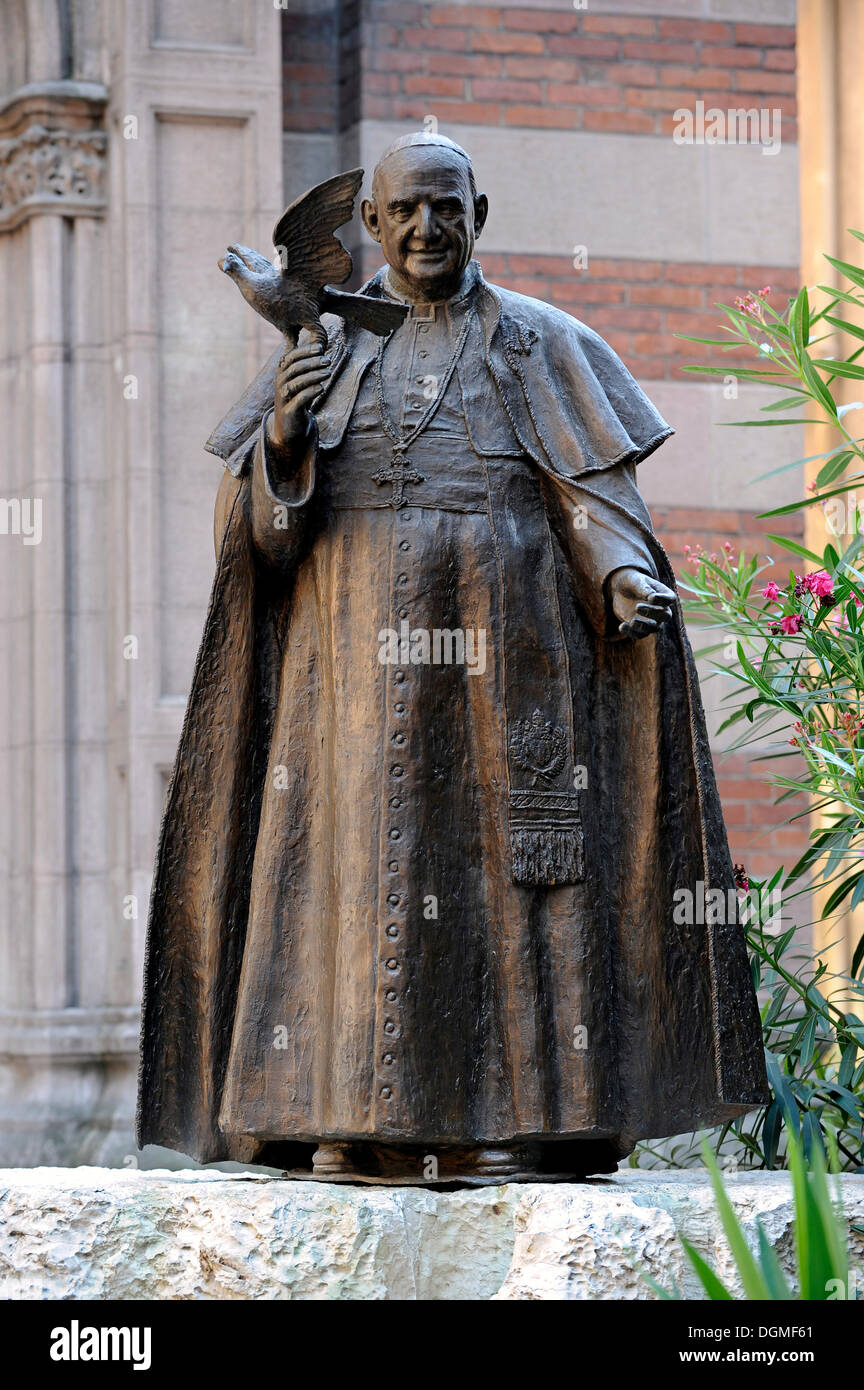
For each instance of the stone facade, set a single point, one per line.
(136, 141)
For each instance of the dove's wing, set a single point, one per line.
(303, 236)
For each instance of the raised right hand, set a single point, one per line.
(300, 377)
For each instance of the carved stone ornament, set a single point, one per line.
(52, 158)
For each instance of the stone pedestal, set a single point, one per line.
(96, 1233)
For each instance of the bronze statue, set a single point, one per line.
(444, 764)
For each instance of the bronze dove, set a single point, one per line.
(310, 256)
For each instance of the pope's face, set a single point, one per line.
(425, 219)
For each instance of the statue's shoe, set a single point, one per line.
(497, 1162)
(396, 1162)
(333, 1160)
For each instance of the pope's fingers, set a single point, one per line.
(307, 396)
(297, 354)
(299, 383)
(661, 592)
(654, 610)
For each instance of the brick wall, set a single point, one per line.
(569, 71)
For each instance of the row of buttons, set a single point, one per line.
(395, 904)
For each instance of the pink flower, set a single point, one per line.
(820, 584)
(771, 592)
(791, 624)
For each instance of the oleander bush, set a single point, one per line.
(791, 648)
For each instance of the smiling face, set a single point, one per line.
(426, 220)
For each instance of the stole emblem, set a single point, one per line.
(539, 747)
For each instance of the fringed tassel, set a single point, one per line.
(547, 856)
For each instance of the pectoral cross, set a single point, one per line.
(400, 472)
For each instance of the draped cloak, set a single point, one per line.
(407, 901)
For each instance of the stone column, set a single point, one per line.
(135, 143)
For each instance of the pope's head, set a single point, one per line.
(426, 214)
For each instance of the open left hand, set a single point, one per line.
(639, 602)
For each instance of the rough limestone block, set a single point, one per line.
(114, 1233)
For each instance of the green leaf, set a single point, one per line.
(852, 272)
(838, 368)
(808, 1041)
(845, 326)
(833, 468)
(715, 1290)
(772, 1272)
(771, 1133)
(752, 1281)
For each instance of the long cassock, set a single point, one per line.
(423, 894)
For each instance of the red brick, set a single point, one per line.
(308, 72)
(575, 94)
(435, 38)
(465, 64)
(695, 77)
(731, 57)
(523, 284)
(766, 82)
(423, 84)
(379, 108)
(469, 112)
(661, 52)
(619, 122)
(542, 21)
(495, 41)
(588, 291)
(544, 265)
(675, 295)
(585, 48)
(622, 316)
(780, 58)
(553, 69)
(739, 788)
(473, 15)
(385, 83)
(651, 344)
(304, 119)
(619, 342)
(778, 277)
(383, 36)
(632, 74)
(648, 368)
(493, 89)
(615, 24)
(696, 273)
(557, 118)
(395, 60)
(664, 98)
(625, 270)
(400, 12)
(766, 35)
(703, 32)
(495, 268)
(704, 324)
